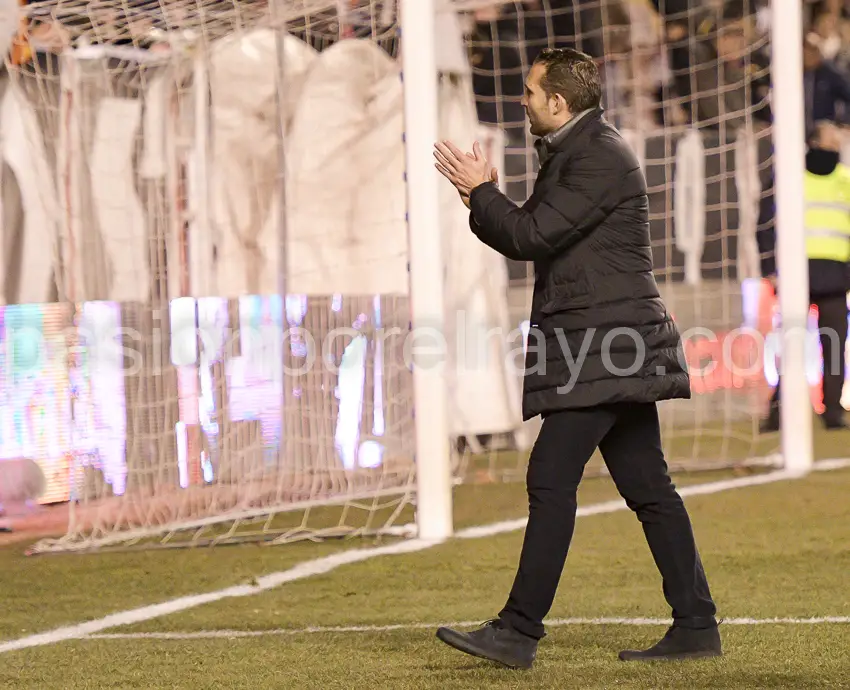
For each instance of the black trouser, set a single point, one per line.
(832, 326)
(630, 440)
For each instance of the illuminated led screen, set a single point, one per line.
(62, 387)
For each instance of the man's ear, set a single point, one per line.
(559, 105)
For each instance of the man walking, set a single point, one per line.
(606, 352)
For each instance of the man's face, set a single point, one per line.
(541, 110)
(732, 42)
(825, 25)
(812, 57)
(828, 137)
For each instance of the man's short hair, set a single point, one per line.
(735, 11)
(825, 135)
(572, 75)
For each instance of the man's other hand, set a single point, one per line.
(494, 178)
(465, 171)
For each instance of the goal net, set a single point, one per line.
(175, 168)
(195, 161)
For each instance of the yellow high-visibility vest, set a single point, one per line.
(827, 216)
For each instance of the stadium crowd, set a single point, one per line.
(674, 56)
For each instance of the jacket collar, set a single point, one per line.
(555, 141)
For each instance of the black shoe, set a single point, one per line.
(769, 424)
(834, 423)
(680, 643)
(494, 641)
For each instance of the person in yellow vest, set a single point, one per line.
(827, 224)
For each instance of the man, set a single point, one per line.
(606, 351)
(715, 69)
(827, 225)
(826, 90)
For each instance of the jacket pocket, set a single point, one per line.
(567, 302)
(576, 294)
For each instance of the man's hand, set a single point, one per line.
(465, 171)
(494, 178)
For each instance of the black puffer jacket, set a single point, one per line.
(600, 332)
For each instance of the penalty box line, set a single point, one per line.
(554, 623)
(320, 566)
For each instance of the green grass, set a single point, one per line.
(87, 586)
(789, 539)
(781, 657)
(777, 550)
(84, 587)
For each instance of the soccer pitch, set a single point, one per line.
(775, 550)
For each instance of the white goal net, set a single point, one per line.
(194, 161)
(172, 168)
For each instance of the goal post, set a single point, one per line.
(427, 304)
(792, 266)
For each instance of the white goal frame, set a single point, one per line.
(433, 458)
(789, 147)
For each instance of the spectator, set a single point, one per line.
(826, 36)
(827, 226)
(717, 73)
(678, 19)
(497, 76)
(596, 25)
(826, 89)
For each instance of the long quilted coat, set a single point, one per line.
(600, 332)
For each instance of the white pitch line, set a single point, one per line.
(320, 566)
(558, 622)
(695, 490)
